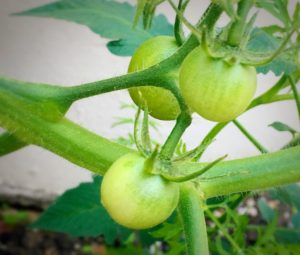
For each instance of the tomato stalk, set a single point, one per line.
(237, 29)
(178, 33)
(182, 122)
(249, 174)
(62, 137)
(9, 143)
(190, 209)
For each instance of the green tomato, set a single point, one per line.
(161, 103)
(215, 89)
(134, 197)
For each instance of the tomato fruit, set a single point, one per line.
(134, 197)
(215, 89)
(161, 103)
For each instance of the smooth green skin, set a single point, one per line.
(135, 198)
(161, 103)
(216, 90)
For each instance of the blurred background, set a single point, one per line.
(45, 50)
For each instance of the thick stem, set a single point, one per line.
(191, 212)
(9, 143)
(62, 137)
(237, 29)
(250, 174)
(250, 137)
(182, 122)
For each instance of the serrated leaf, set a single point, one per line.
(279, 126)
(78, 212)
(261, 41)
(109, 19)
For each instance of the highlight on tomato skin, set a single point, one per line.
(161, 103)
(135, 198)
(216, 90)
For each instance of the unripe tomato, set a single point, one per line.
(134, 197)
(215, 89)
(161, 103)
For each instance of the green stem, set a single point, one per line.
(249, 174)
(96, 153)
(237, 29)
(156, 75)
(182, 122)
(294, 142)
(192, 216)
(250, 137)
(9, 143)
(178, 33)
(62, 137)
(209, 138)
(296, 95)
(224, 231)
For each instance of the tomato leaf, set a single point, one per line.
(109, 19)
(78, 212)
(266, 211)
(296, 220)
(278, 8)
(287, 194)
(261, 41)
(279, 126)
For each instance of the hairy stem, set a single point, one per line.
(192, 217)
(249, 174)
(9, 143)
(237, 29)
(182, 122)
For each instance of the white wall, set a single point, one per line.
(59, 52)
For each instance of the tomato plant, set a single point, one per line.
(134, 196)
(215, 89)
(161, 103)
(216, 69)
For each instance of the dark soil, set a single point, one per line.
(16, 238)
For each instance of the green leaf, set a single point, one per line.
(279, 126)
(286, 235)
(261, 41)
(109, 19)
(78, 212)
(290, 195)
(278, 8)
(296, 220)
(266, 211)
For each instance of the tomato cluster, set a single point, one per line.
(215, 89)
